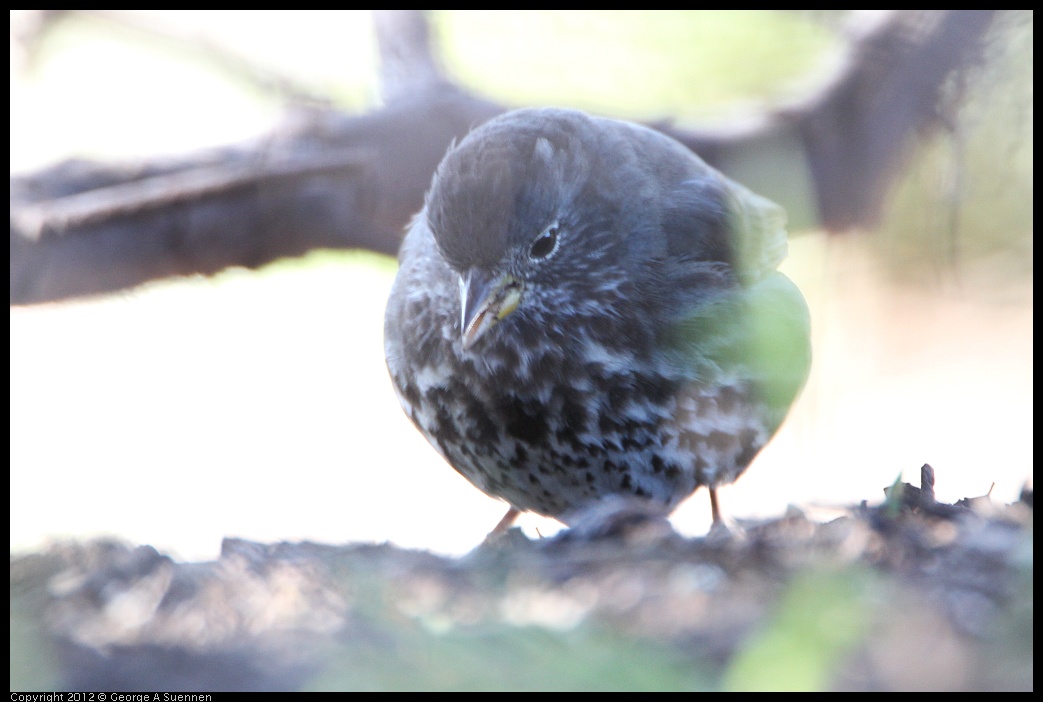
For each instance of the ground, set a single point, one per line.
(910, 594)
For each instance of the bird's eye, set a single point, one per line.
(544, 245)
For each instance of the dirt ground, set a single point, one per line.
(907, 594)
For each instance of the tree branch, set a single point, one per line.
(327, 179)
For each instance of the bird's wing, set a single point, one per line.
(734, 313)
(712, 218)
(775, 340)
(758, 334)
(758, 226)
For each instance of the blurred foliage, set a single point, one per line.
(645, 64)
(321, 258)
(498, 658)
(33, 667)
(821, 617)
(1011, 636)
(964, 206)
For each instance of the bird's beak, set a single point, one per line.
(484, 301)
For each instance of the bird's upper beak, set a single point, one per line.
(484, 301)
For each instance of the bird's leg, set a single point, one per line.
(505, 523)
(715, 509)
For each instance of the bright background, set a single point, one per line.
(256, 404)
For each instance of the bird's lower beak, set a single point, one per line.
(485, 301)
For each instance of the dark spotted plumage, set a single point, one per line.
(586, 309)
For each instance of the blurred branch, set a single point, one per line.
(408, 60)
(850, 135)
(328, 179)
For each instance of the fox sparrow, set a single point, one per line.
(585, 309)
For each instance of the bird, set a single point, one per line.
(584, 310)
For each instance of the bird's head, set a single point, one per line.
(554, 218)
(526, 211)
